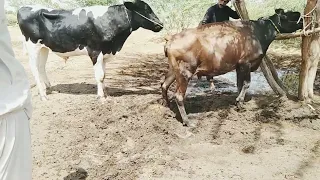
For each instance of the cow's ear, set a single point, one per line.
(130, 5)
(279, 11)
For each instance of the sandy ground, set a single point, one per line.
(132, 136)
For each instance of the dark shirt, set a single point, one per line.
(217, 14)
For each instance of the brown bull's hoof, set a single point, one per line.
(163, 102)
(240, 106)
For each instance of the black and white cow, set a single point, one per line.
(96, 31)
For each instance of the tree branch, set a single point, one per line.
(298, 34)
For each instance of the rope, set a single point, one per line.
(128, 19)
(149, 19)
(303, 20)
(274, 26)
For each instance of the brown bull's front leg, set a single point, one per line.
(243, 82)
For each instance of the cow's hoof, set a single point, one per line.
(190, 123)
(105, 99)
(102, 99)
(44, 98)
(184, 135)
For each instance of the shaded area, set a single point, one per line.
(308, 162)
(80, 174)
(83, 88)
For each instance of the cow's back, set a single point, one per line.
(66, 30)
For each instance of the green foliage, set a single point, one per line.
(267, 7)
(291, 81)
(179, 14)
(96, 2)
(11, 19)
(48, 3)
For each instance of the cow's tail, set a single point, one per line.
(24, 46)
(25, 50)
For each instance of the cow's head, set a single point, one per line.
(286, 22)
(143, 16)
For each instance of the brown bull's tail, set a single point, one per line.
(167, 38)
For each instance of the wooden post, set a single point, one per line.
(310, 47)
(266, 66)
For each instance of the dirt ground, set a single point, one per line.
(132, 136)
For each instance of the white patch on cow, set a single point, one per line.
(99, 72)
(97, 11)
(221, 45)
(38, 55)
(37, 7)
(76, 52)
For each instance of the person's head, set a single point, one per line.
(223, 3)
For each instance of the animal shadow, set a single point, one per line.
(84, 88)
(80, 174)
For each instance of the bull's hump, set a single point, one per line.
(97, 11)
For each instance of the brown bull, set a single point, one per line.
(217, 48)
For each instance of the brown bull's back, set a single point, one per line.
(215, 48)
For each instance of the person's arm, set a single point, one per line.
(233, 13)
(208, 17)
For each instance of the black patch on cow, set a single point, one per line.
(62, 31)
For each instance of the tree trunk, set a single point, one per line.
(310, 47)
(266, 66)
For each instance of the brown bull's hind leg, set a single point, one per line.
(169, 79)
(182, 76)
(243, 82)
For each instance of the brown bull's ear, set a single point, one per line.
(130, 5)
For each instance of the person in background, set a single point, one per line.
(218, 13)
(15, 111)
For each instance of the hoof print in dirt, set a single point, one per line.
(248, 149)
(80, 174)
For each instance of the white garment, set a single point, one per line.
(15, 111)
(14, 84)
(15, 147)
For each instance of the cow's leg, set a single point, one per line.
(169, 79)
(99, 72)
(210, 79)
(35, 56)
(243, 81)
(43, 57)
